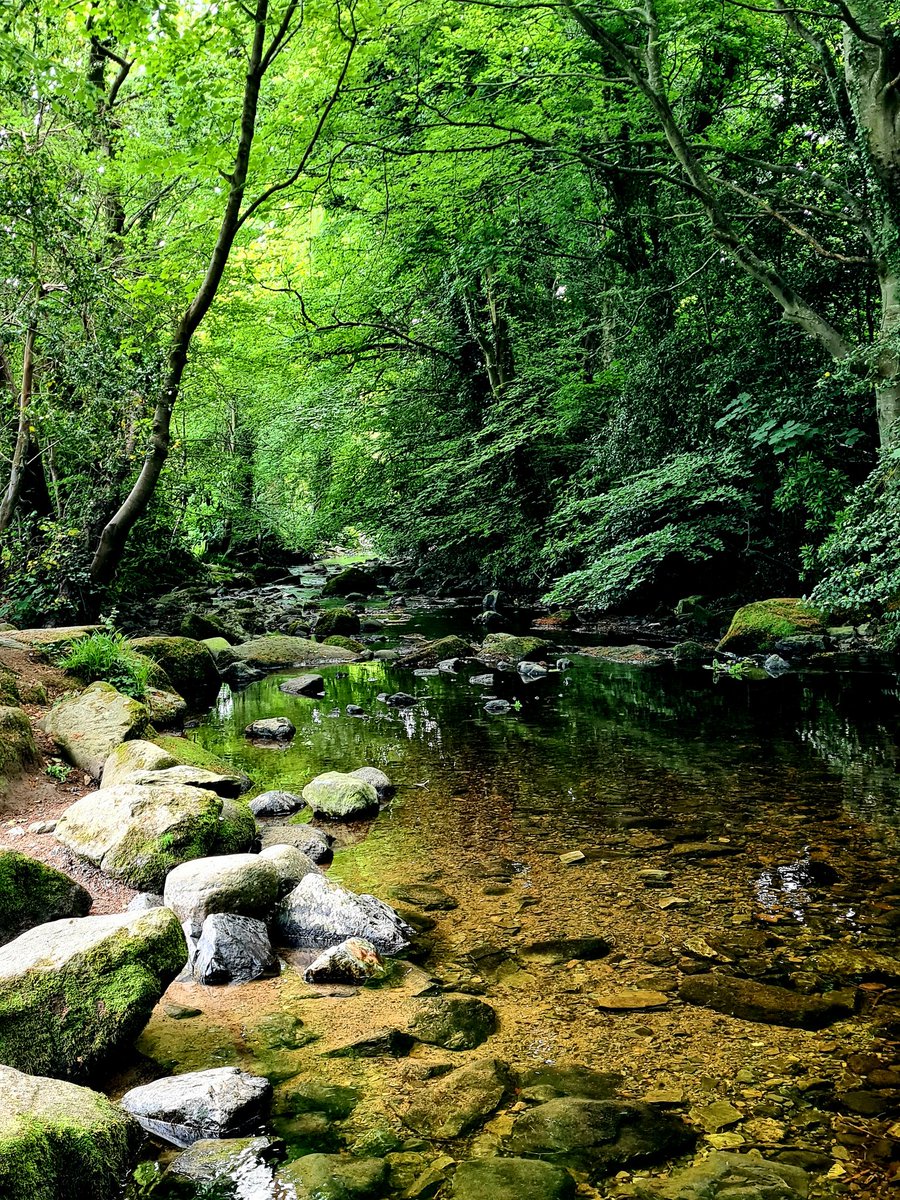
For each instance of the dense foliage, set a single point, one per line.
(597, 302)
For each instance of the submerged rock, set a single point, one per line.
(335, 1177)
(454, 1022)
(219, 1103)
(303, 685)
(90, 726)
(727, 1176)
(319, 912)
(511, 1179)
(315, 843)
(599, 1136)
(60, 1140)
(233, 949)
(99, 977)
(570, 1079)
(233, 883)
(340, 796)
(32, 893)
(426, 896)
(460, 1101)
(353, 961)
(400, 700)
(138, 834)
(752, 1001)
(275, 729)
(276, 804)
(231, 1168)
(497, 708)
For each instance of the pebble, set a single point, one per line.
(41, 826)
(572, 856)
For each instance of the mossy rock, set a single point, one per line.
(17, 748)
(90, 726)
(9, 687)
(191, 754)
(331, 621)
(187, 663)
(201, 626)
(434, 652)
(279, 650)
(516, 649)
(353, 579)
(75, 993)
(32, 893)
(237, 830)
(59, 1141)
(346, 643)
(756, 627)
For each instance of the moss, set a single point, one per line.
(67, 1021)
(435, 652)
(237, 828)
(188, 664)
(192, 754)
(144, 862)
(353, 579)
(345, 643)
(756, 627)
(515, 649)
(336, 621)
(9, 687)
(17, 748)
(32, 893)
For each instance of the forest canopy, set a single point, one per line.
(598, 302)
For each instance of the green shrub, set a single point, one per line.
(108, 657)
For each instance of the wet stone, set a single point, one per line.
(566, 1079)
(460, 1101)
(200, 1104)
(729, 1177)
(511, 1179)
(565, 949)
(718, 1115)
(313, 842)
(376, 1044)
(454, 1022)
(278, 1031)
(762, 1002)
(335, 1177)
(276, 729)
(276, 804)
(309, 1095)
(233, 949)
(232, 1167)
(354, 961)
(377, 779)
(625, 999)
(425, 895)
(303, 685)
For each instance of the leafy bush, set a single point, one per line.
(652, 529)
(860, 559)
(108, 657)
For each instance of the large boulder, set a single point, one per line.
(290, 865)
(138, 834)
(223, 785)
(332, 621)
(233, 949)
(511, 1179)
(237, 831)
(187, 663)
(756, 627)
(17, 748)
(144, 762)
(271, 729)
(303, 685)
(351, 579)
(279, 650)
(276, 804)
(384, 789)
(454, 1022)
(231, 883)
(729, 1177)
(88, 727)
(599, 1136)
(76, 992)
(508, 647)
(136, 755)
(432, 653)
(32, 893)
(340, 796)
(762, 1002)
(314, 843)
(59, 1141)
(219, 1103)
(459, 1101)
(319, 912)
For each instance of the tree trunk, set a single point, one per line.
(23, 434)
(115, 535)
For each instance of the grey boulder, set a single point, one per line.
(276, 804)
(233, 949)
(231, 883)
(303, 685)
(319, 912)
(290, 865)
(384, 789)
(315, 843)
(274, 729)
(337, 795)
(228, 1168)
(90, 726)
(219, 1103)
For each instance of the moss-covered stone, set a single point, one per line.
(353, 579)
(203, 625)
(187, 663)
(237, 829)
(32, 893)
(434, 652)
(59, 1141)
(138, 834)
(9, 687)
(331, 621)
(515, 649)
(279, 650)
(88, 727)
(192, 754)
(74, 992)
(136, 755)
(17, 748)
(756, 627)
(346, 643)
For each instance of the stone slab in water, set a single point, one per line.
(629, 999)
(283, 651)
(340, 796)
(764, 1003)
(511, 1179)
(335, 1177)
(599, 1136)
(58, 1139)
(182, 1109)
(100, 977)
(276, 729)
(276, 804)
(460, 1101)
(303, 685)
(722, 1176)
(454, 1022)
(233, 1166)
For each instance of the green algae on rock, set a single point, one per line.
(458, 1102)
(89, 726)
(187, 663)
(511, 1179)
(352, 579)
(763, 1002)
(335, 1177)
(515, 649)
(340, 796)
(191, 754)
(17, 748)
(75, 992)
(434, 652)
(331, 621)
(32, 893)
(137, 834)
(59, 1141)
(280, 650)
(756, 627)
